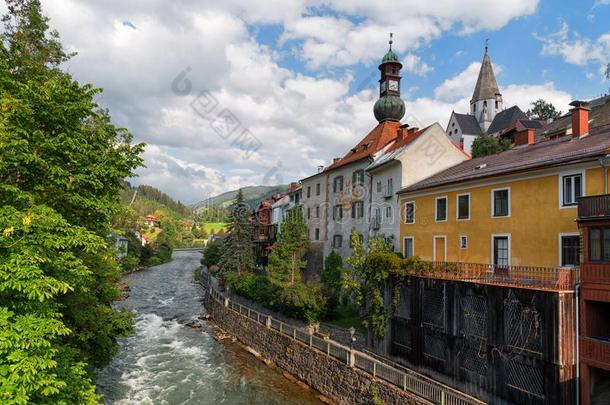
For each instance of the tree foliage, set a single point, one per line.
(238, 255)
(285, 259)
(62, 165)
(485, 145)
(331, 278)
(542, 110)
(366, 279)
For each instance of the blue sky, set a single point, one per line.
(299, 77)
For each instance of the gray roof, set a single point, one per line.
(555, 152)
(505, 119)
(468, 124)
(486, 87)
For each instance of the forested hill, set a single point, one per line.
(148, 199)
(252, 197)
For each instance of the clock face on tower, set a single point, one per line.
(393, 85)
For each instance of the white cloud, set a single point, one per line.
(414, 64)
(574, 48)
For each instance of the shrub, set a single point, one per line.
(212, 253)
(331, 278)
(154, 261)
(130, 262)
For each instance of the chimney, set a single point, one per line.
(294, 186)
(320, 169)
(525, 137)
(580, 118)
(402, 132)
(335, 160)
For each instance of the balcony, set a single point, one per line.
(598, 273)
(594, 351)
(594, 207)
(534, 278)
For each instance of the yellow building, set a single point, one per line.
(513, 208)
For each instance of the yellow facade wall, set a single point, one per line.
(535, 223)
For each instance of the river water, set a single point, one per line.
(166, 362)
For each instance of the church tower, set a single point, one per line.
(390, 106)
(486, 100)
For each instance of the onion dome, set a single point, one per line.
(389, 108)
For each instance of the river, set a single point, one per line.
(166, 362)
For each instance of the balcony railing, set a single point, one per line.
(597, 206)
(595, 273)
(594, 351)
(536, 278)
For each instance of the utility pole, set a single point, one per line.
(135, 193)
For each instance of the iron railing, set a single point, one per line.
(411, 381)
(538, 278)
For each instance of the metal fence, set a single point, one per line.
(411, 381)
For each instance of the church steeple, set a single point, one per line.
(390, 106)
(486, 99)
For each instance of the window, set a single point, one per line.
(308, 212)
(317, 234)
(308, 191)
(599, 244)
(358, 209)
(474, 108)
(318, 189)
(500, 202)
(317, 212)
(408, 246)
(501, 250)
(378, 214)
(463, 242)
(570, 250)
(571, 186)
(441, 209)
(390, 187)
(338, 184)
(463, 206)
(410, 213)
(337, 241)
(358, 178)
(379, 186)
(388, 212)
(338, 212)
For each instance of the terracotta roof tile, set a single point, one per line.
(380, 136)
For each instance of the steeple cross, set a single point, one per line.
(486, 44)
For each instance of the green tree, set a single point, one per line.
(331, 278)
(292, 243)
(485, 145)
(238, 255)
(62, 167)
(212, 253)
(542, 110)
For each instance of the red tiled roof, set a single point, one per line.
(549, 153)
(407, 138)
(383, 133)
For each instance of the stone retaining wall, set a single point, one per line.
(337, 381)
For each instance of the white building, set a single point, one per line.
(413, 156)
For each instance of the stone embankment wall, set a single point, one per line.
(335, 380)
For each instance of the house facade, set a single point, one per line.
(518, 207)
(414, 155)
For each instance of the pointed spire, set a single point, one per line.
(486, 87)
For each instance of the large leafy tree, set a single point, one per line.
(238, 253)
(292, 243)
(542, 110)
(485, 145)
(62, 166)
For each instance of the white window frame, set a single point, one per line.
(559, 247)
(444, 197)
(335, 237)
(404, 253)
(460, 242)
(457, 207)
(434, 238)
(583, 182)
(510, 249)
(492, 204)
(405, 211)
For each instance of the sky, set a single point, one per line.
(234, 93)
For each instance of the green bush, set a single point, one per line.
(331, 278)
(212, 253)
(130, 262)
(301, 301)
(154, 261)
